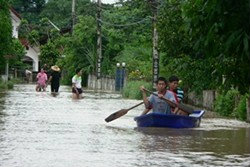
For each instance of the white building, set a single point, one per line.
(32, 52)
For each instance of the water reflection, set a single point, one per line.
(217, 141)
(37, 129)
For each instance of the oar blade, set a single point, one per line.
(116, 115)
(186, 108)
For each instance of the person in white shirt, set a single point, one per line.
(28, 74)
(77, 84)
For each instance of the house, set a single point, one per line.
(32, 52)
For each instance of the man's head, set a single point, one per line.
(79, 71)
(173, 82)
(161, 84)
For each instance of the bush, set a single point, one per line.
(10, 84)
(132, 89)
(2, 86)
(16, 81)
(231, 104)
(241, 110)
(225, 103)
(7, 85)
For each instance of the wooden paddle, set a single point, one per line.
(173, 104)
(120, 113)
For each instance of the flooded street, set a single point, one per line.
(39, 130)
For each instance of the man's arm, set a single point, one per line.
(50, 78)
(144, 96)
(145, 111)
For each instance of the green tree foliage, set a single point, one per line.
(59, 11)
(220, 30)
(11, 49)
(78, 50)
(29, 9)
(174, 41)
(132, 89)
(17, 52)
(232, 104)
(49, 54)
(200, 41)
(5, 32)
(127, 35)
(138, 62)
(206, 39)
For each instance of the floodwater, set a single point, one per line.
(39, 130)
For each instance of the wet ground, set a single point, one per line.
(39, 130)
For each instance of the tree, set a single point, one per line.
(5, 33)
(206, 38)
(59, 11)
(29, 9)
(220, 30)
(49, 54)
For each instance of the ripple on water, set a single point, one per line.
(38, 129)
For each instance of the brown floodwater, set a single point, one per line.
(39, 130)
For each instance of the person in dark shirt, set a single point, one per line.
(55, 79)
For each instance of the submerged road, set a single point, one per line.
(39, 130)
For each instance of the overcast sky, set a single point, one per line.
(108, 1)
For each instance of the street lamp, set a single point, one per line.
(123, 74)
(118, 65)
(120, 75)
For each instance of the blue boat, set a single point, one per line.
(170, 121)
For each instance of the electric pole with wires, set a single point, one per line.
(155, 53)
(99, 40)
(99, 46)
(73, 14)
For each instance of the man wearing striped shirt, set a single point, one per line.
(179, 94)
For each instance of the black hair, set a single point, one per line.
(161, 79)
(173, 78)
(78, 70)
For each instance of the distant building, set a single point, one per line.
(32, 52)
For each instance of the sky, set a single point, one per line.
(108, 1)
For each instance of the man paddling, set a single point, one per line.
(155, 102)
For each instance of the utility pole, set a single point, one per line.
(155, 52)
(73, 14)
(7, 70)
(99, 40)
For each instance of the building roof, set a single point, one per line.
(24, 42)
(15, 12)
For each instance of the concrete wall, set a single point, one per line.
(194, 99)
(105, 83)
(206, 100)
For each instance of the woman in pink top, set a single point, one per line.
(41, 81)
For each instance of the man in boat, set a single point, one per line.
(155, 102)
(174, 87)
(178, 93)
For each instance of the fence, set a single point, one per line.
(106, 83)
(20, 74)
(206, 100)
